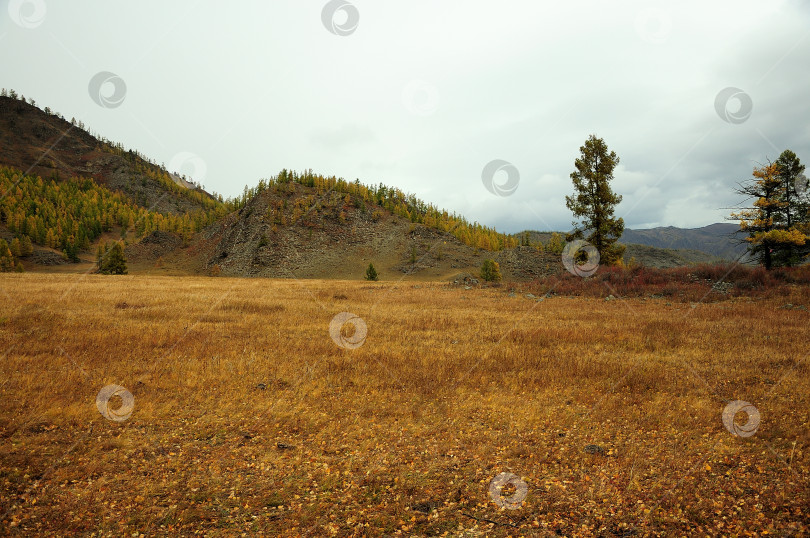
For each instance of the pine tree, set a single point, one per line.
(594, 201)
(555, 244)
(100, 254)
(371, 273)
(16, 247)
(71, 251)
(6, 257)
(50, 238)
(26, 246)
(114, 262)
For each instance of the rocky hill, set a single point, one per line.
(46, 145)
(293, 232)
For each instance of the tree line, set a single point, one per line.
(376, 198)
(71, 214)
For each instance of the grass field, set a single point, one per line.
(249, 419)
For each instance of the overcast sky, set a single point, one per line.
(423, 95)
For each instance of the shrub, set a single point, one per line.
(491, 271)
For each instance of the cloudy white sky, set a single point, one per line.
(423, 94)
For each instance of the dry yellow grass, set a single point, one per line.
(249, 418)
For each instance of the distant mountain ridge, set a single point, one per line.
(719, 240)
(669, 246)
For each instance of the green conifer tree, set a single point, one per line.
(371, 273)
(114, 262)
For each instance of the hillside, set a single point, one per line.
(44, 144)
(666, 257)
(289, 229)
(67, 190)
(63, 191)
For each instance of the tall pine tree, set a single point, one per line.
(113, 261)
(594, 201)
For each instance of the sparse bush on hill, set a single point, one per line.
(214, 205)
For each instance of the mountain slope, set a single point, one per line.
(666, 257)
(48, 146)
(291, 230)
